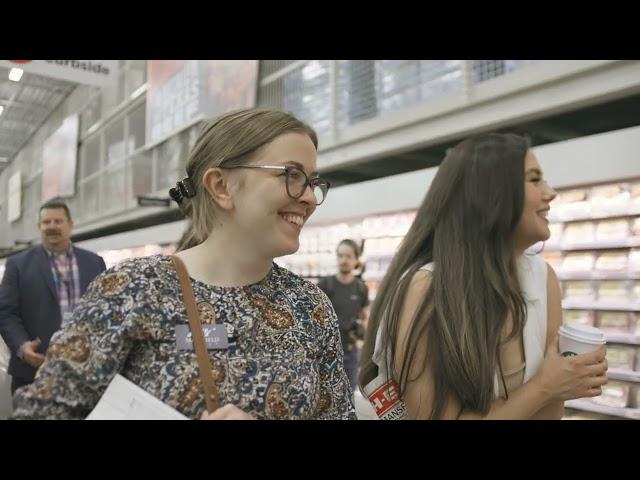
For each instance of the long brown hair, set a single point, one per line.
(465, 226)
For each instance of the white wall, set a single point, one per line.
(158, 234)
(535, 92)
(388, 194)
(597, 158)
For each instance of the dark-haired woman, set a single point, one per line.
(465, 324)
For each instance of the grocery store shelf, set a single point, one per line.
(631, 212)
(619, 306)
(370, 256)
(595, 275)
(629, 242)
(624, 375)
(377, 276)
(588, 406)
(627, 338)
(391, 235)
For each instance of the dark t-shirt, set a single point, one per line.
(347, 301)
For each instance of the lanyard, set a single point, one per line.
(66, 281)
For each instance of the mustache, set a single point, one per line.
(49, 232)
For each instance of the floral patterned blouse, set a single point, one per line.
(284, 359)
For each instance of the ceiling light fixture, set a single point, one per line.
(15, 74)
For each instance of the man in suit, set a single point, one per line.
(40, 289)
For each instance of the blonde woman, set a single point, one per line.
(251, 184)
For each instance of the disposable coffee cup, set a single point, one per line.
(578, 339)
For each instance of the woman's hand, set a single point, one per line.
(579, 376)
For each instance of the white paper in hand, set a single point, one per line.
(124, 400)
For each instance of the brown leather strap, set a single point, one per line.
(206, 374)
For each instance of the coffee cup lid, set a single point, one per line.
(584, 333)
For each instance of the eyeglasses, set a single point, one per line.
(297, 181)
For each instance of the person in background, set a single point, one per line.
(40, 289)
(349, 296)
(465, 323)
(251, 184)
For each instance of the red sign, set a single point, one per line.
(385, 397)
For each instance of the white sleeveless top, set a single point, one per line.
(532, 275)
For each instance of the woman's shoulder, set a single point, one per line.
(136, 273)
(421, 277)
(291, 281)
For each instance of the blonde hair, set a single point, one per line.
(227, 141)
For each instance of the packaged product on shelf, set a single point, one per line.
(384, 265)
(367, 228)
(391, 225)
(634, 260)
(372, 285)
(612, 261)
(373, 268)
(304, 243)
(635, 325)
(621, 356)
(635, 227)
(570, 204)
(314, 264)
(634, 293)
(554, 259)
(610, 199)
(612, 230)
(396, 244)
(578, 290)
(637, 365)
(373, 246)
(635, 197)
(578, 262)
(578, 317)
(614, 322)
(614, 394)
(114, 257)
(634, 402)
(381, 225)
(313, 243)
(407, 221)
(580, 232)
(614, 291)
(556, 233)
(388, 246)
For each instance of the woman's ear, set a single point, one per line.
(216, 184)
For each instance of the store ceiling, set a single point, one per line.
(604, 117)
(27, 104)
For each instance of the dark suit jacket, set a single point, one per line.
(29, 307)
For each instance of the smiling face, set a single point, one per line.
(263, 211)
(533, 226)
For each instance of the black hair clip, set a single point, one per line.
(184, 188)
